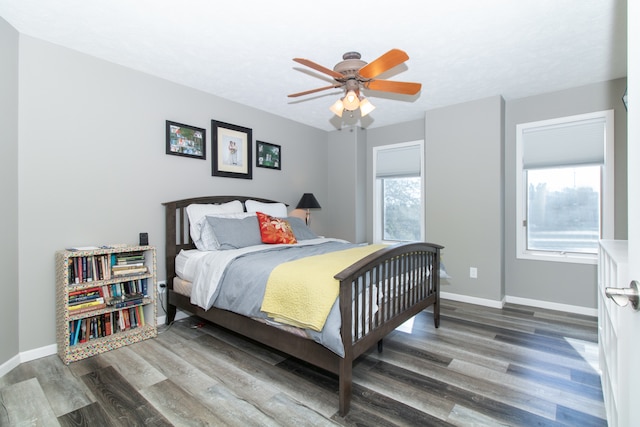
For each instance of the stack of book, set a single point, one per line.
(89, 268)
(125, 287)
(125, 264)
(102, 325)
(84, 300)
(126, 300)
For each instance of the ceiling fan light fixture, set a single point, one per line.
(366, 107)
(337, 108)
(351, 101)
(353, 75)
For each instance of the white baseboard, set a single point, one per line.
(554, 306)
(7, 366)
(472, 300)
(27, 356)
(179, 316)
(521, 301)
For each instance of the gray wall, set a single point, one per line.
(464, 199)
(346, 180)
(93, 168)
(464, 165)
(9, 337)
(563, 283)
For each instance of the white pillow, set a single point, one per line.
(208, 240)
(278, 210)
(198, 212)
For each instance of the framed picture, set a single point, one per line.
(185, 140)
(231, 147)
(268, 155)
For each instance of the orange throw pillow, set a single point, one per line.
(275, 230)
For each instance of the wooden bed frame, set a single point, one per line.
(412, 271)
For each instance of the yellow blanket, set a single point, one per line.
(302, 292)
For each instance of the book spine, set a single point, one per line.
(84, 298)
(83, 310)
(92, 303)
(72, 331)
(83, 330)
(140, 309)
(84, 291)
(77, 272)
(129, 303)
(78, 326)
(108, 318)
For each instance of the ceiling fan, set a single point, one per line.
(354, 74)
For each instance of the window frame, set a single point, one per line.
(606, 190)
(377, 202)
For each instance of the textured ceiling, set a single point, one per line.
(459, 50)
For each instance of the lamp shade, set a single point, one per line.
(337, 108)
(308, 201)
(366, 107)
(351, 101)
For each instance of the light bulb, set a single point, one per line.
(351, 101)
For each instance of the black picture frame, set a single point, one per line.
(268, 155)
(231, 145)
(185, 140)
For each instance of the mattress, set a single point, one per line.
(187, 263)
(181, 286)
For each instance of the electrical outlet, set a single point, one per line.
(162, 286)
(473, 272)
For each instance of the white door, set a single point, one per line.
(630, 416)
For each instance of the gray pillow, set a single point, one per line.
(300, 229)
(235, 233)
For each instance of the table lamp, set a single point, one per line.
(308, 201)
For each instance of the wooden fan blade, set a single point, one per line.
(318, 67)
(405, 88)
(307, 92)
(385, 62)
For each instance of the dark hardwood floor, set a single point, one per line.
(518, 366)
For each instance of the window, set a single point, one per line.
(398, 192)
(564, 187)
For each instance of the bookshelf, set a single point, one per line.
(105, 299)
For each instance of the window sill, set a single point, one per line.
(560, 257)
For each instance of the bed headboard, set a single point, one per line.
(177, 226)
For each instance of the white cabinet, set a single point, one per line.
(612, 272)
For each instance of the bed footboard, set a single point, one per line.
(379, 293)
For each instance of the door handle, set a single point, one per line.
(624, 296)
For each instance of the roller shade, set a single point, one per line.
(399, 161)
(576, 143)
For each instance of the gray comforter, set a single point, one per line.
(243, 281)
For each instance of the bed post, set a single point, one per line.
(436, 286)
(170, 256)
(345, 364)
(344, 386)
